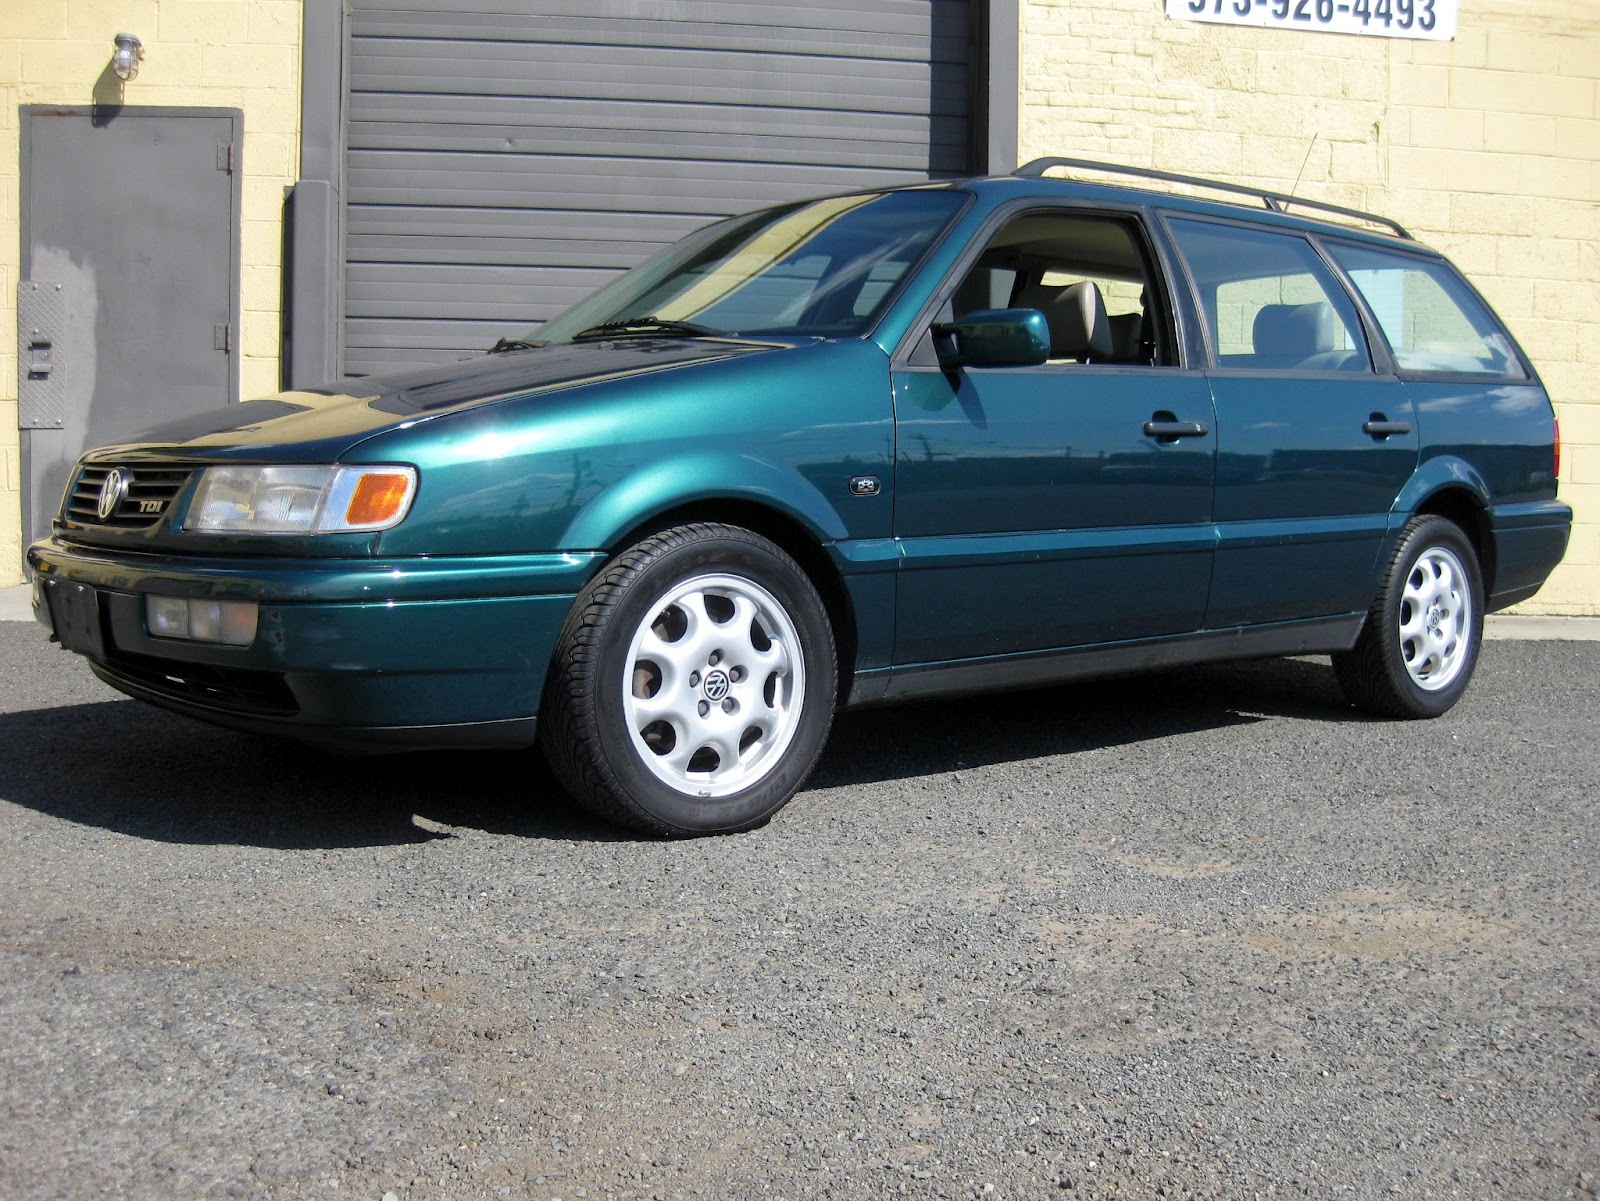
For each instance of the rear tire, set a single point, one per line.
(693, 685)
(1420, 643)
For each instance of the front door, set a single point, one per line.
(1042, 508)
(128, 301)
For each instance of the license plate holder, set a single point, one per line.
(75, 617)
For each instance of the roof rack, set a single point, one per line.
(1276, 201)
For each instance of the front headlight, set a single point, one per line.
(300, 500)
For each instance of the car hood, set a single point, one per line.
(322, 422)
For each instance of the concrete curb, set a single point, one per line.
(1542, 629)
(16, 604)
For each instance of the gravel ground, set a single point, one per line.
(1203, 934)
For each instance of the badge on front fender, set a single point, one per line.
(865, 485)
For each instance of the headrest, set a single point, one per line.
(1076, 315)
(1293, 331)
(1127, 334)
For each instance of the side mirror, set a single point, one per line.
(993, 338)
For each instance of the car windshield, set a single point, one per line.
(823, 268)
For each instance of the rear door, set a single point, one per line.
(1313, 444)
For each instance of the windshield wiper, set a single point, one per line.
(505, 344)
(646, 325)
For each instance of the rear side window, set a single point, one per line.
(1431, 321)
(1269, 302)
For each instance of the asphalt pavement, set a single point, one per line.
(1203, 934)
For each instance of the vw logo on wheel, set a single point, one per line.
(716, 686)
(113, 491)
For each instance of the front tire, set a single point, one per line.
(693, 685)
(1419, 646)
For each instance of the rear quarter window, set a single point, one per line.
(1430, 318)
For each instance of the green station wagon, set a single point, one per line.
(899, 443)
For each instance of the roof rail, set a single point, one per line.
(1276, 201)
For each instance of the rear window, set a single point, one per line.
(1269, 301)
(1431, 320)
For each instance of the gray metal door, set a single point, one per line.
(128, 301)
(502, 163)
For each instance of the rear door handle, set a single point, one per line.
(1171, 431)
(1381, 427)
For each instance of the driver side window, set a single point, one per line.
(1088, 274)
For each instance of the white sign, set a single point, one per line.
(1431, 19)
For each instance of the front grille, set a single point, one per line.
(239, 689)
(149, 492)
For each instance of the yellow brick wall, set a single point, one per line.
(241, 54)
(1487, 147)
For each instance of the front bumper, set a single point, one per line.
(398, 654)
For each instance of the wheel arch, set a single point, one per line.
(1462, 508)
(759, 497)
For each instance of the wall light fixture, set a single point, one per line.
(130, 53)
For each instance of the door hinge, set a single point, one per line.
(225, 157)
(222, 338)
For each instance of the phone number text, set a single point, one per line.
(1431, 19)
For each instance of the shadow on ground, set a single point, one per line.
(127, 767)
(873, 745)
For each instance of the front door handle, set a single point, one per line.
(1163, 428)
(1381, 427)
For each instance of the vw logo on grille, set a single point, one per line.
(716, 685)
(113, 491)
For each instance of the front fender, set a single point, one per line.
(699, 476)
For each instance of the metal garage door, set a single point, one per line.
(499, 165)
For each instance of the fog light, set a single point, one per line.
(232, 623)
(167, 616)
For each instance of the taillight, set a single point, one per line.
(1555, 471)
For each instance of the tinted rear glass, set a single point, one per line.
(1431, 320)
(1270, 301)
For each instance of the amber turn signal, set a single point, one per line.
(378, 499)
